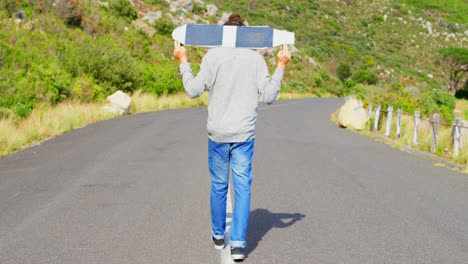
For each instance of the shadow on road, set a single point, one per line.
(261, 221)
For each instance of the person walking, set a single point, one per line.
(236, 79)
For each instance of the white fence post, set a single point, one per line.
(398, 123)
(456, 136)
(417, 119)
(369, 112)
(376, 118)
(435, 132)
(388, 126)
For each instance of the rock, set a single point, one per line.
(200, 2)
(20, 14)
(119, 101)
(184, 5)
(352, 114)
(69, 11)
(224, 18)
(138, 24)
(268, 52)
(292, 49)
(174, 20)
(312, 61)
(106, 4)
(429, 27)
(196, 18)
(212, 10)
(152, 17)
(272, 60)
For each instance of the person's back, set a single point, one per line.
(233, 80)
(236, 79)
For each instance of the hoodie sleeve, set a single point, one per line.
(268, 87)
(195, 86)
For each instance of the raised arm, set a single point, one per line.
(269, 87)
(194, 86)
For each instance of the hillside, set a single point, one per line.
(82, 50)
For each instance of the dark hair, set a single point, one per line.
(235, 20)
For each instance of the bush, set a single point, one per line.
(164, 26)
(344, 71)
(364, 76)
(443, 99)
(318, 80)
(85, 89)
(437, 101)
(377, 18)
(123, 8)
(162, 79)
(111, 66)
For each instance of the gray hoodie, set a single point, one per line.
(237, 79)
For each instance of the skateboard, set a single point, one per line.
(231, 36)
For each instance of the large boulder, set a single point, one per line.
(138, 24)
(211, 10)
(352, 114)
(119, 103)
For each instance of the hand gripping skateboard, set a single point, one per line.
(231, 36)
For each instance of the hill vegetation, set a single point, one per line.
(386, 52)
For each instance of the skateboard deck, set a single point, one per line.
(231, 36)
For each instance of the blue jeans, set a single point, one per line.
(239, 156)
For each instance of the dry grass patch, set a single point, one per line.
(46, 122)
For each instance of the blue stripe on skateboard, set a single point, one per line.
(204, 35)
(251, 37)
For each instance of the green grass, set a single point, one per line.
(462, 106)
(457, 9)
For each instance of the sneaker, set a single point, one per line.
(218, 243)
(237, 253)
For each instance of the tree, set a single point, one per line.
(455, 62)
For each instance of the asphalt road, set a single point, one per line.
(135, 189)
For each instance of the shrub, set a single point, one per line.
(198, 8)
(364, 76)
(110, 65)
(123, 8)
(443, 99)
(437, 101)
(164, 26)
(318, 80)
(85, 89)
(377, 18)
(344, 71)
(162, 79)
